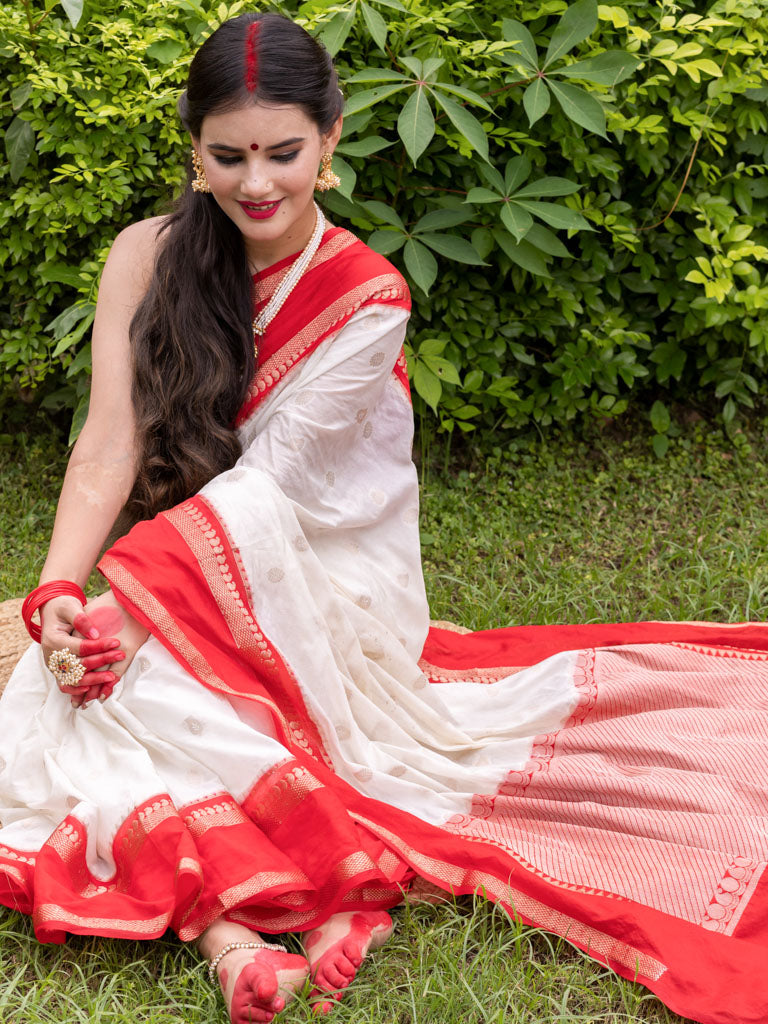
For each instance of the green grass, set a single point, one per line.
(593, 531)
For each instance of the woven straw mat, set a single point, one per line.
(14, 639)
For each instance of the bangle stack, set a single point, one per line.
(240, 945)
(39, 596)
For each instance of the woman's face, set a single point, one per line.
(261, 163)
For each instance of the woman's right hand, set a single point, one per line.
(61, 617)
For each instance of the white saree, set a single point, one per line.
(293, 739)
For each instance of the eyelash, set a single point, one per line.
(283, 158)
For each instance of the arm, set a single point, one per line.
(101, 469)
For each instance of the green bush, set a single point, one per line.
(577, 193)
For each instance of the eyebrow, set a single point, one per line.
(236, 149)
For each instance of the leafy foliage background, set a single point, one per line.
(578, 194)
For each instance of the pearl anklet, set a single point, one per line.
(240, 945)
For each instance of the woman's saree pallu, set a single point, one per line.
(606, 782)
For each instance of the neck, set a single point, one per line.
(265, 254)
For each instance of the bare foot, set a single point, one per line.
(256, 983)
(336, 949)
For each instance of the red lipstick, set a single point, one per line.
(260, 211)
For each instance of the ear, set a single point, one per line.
(331, 138)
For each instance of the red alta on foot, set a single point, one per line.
(336, 949)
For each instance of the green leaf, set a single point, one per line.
(383, 212)
(555, 215)
(395, 4)
(729, 411)
(660, 418)
(522, 253)
(431, 66)
(83, 358)
(375, 24)
(420, 264)
(464, 94)
(363, 147)
(416, 123)
(466, 123)
(334, 34)
(515, 31)
(660, 443)
(493, 178)
(578, 22)
(19, 143)
(442, 368)
(518, 222)
(377, 75)
(427, 385)
(431, 346)
(545, 240)
(367, 98)
(580, 107)
(536, 100)
(342, 207)
(473, 380)
(386, 242)
(482, 241)
(453, 247)
(548, 187)
(78, 419)
(347, 174)
(165, 51)
(64, 322)
(73, 10)
(483, 195)
(515, 173)
(438, 220)
(62, 273)
(607, 68)
(414, 65)
(20, 95)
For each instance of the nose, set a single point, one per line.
(256, 182)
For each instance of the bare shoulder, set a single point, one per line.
(134, 250)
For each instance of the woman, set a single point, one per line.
(291, 746)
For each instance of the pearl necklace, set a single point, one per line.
(291, 279)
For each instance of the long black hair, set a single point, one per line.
(191, 335)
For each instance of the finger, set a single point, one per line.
(74, 690)
(100, 660)
(87, 648)
(83, 624)
(97, 679)
(106, 691)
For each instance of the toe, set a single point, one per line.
(353, 953)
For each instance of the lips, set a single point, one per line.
(260, 211)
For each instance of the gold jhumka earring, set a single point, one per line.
(200, 183)
(327, 179)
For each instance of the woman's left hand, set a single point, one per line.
(111, 619)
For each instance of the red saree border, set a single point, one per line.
(162, 879)
(343, 277)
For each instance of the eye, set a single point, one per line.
(226, 160)
(285, 158)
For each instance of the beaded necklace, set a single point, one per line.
(291, 279)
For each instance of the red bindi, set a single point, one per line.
(254, 146)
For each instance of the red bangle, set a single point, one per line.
(39, 596)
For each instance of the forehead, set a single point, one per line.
(257, 122)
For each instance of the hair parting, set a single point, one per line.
(252, 57)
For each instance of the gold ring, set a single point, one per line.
(66, 667)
